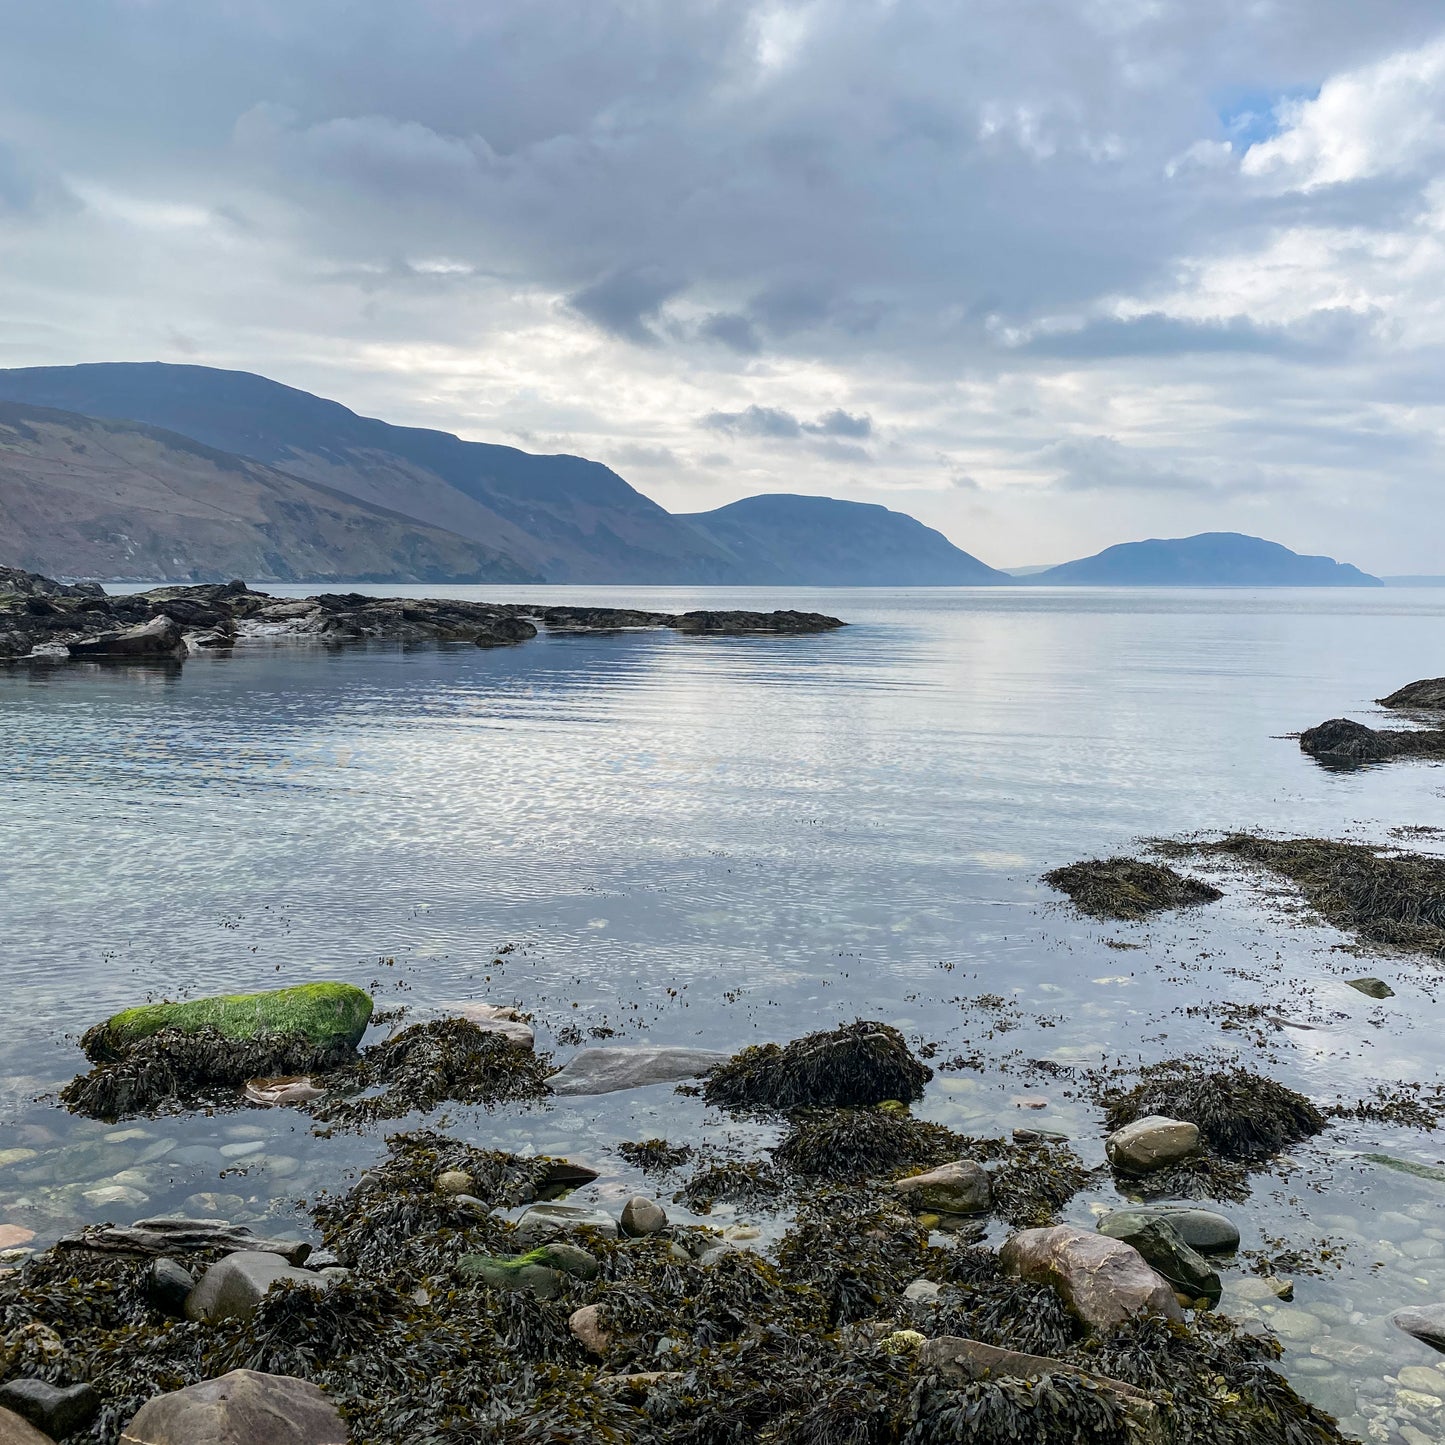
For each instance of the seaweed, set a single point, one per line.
(1342, 743)
(1127, 888)
(861, 1063)
(654, 1156)
(845, 1144)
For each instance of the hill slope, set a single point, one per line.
(563, 517)
(82, 497)
(821, 542)
(1211, 559)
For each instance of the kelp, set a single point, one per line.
(1128, 888)
(1382, 896)
(860, 1063)
(654, 1156)
(1343, 743)
(845, 1144)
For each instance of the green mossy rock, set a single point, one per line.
(326, 1015)
(539, 1270)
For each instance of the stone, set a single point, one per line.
(326, 1015)
(12, 1236)
(545, 1221)
(540, 1271)
(1423, 1378)
(1166, 1253)
(17, 1156)
(234, 1287)
(604, 1071)
(1426, 1323)
(1151, 1143)
(586, 1324)
(961, 1187)
(168, 1285)
(500, 1020)
(454, 1181)
(1296, 1324)
(109, 1196)
(157, 640)
(1344, 741)
(57, 1410)
(242, 1149)
(181, 1236)
(17, 1430)
(290, 1089)
(922, 1291)
(1373, 987)
(1200, 1229)
(1103, 1281)
(641, 1215)
(242, 1408)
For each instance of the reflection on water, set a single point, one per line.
(715, 841)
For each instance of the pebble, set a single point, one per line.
(454, 1181)
(12, 1236)
(123, 1136)
(241, 1151)
(1422, 1377)
(110, 1194)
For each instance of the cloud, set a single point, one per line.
(1327, 333)
(755, 421)
(1103, 464)
(734, 331)
(838, 423)
(626, 301)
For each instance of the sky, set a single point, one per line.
(1047, 274)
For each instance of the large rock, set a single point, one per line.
(541, 1272)
(1341, 740)
(1102, 1280)
(234, 1287)
(604, 1071)
(57, 1410)
(242, 1408)
(643, 1215)
(1425, 1322)
(1151, 1143)
(1429, 692)
(159, 639)
(958, 1188)
(1166, 1253)
(1200, 1229)
(547, 1221)
(326, 1015)
(16, 1430)
(182, 1236)
(500, 1019)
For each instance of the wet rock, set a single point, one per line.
(455, 1181)
(1296, 1324)
(12, 1236)
(161, 638)
(287, 1090)
(501, 1019)
(1102, 1280)
(540, 1271)
(1128, 888)
(735, 623)
(57, 1410)
(168, 1285)
(922, 1291)
(961, 1187)
(17, 1430)
(234, 1287)
(604, 1071)
(566, 1174)
(641, 1215)
(181, 1236)
(242, 1408)
(586, 1324)
(1153, 1142)
(1166, 1253)
(1342, 741)
(1200, 1229)
(108, 1196)
(546, 1221)
(1425, 1322)
(1373, 987)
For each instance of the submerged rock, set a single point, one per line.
(1103, 1281)
(1200, 1229)
(961, 1187)
(1166, 1253)
(242, 1408)
(1151, 1143)
(1425, 1322)
(605, 1071)
(1372, 987)
(234, 1287)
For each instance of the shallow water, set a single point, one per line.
(718, 841)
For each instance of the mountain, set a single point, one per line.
(1211, 559)
(560, 517)
(83, 497)
(820, 542)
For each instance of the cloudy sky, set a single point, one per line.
(1048, 274)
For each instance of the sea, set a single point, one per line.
(645, 837)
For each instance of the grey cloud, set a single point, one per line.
(625, 302)
(838, 423)
(634, 455)
(1103, 464)
(755, 421)
(1325, 334)
(734, 331)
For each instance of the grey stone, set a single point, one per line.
(961, 1187)
(242, 1408)
(234, 1287)
(541, 1271)
(57, 1410)
(1151, 1143)
(1164, 1249)
(604, 1071)
(1374, 987)
(922, 1291)
(1426, 1323)
(168, 1285)
(1200, 1229)
(159, 638)
(641, 1215)
(546, 1221)
(17, 1430)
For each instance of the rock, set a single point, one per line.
(586, 1324)
(57, 1410)
(1102, 1280)
(539, 1270)
(566, 1174)
(1033, 1135)
(1426, 1323)
(289, 1089)
(115, 1195)
(902, 1342)
(326, 1015)
(454, 1181)
(641, 1215)
(159, 639)
(1425, 1379)
(500, 1019)
(1342, 741)
(181, 1236)
(168, 1284)
(961, 1187)
(1166, 1253)
(546, 1221)
(736, 623)
(922, 1291)
(1429, 692)
(17, 1430)
(604, 1071)
(1374, 987)
(1151, 1143)
(234, 1287)
(1296, 1324)
(12, 1236)
(961, 1361)
(242, 1408)
(1200, 1229)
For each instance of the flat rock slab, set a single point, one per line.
(604, 1071)
(181, 1236)
(547, 1221)
(234, 1287)
(242, 1408)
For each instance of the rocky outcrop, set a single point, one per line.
(1342, 743)
(17, 582)
(738, 623)
(162, 1237)
(242, 1408)
(1102, 1280)
(1428, 693)
(1166, 1253)
(605, 1071)
(160, 639)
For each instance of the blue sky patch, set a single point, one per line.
(1250, 116)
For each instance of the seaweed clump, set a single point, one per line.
(1380, 895)
(1344, 743)
(1128, 888)
(654, 1156)
(861, 1063)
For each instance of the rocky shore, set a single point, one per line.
(41, 619)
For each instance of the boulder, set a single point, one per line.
(1166, 1253)
(160, 639)
(57, 1410)
(586, 1324)
(326, 1015)
(540, 1271)
(1342, 741)
(1429, 692)
(234, 1287)
(289, 1089)
(1372, 987)
(1102, 1280)
(168, 1285)
(547, 1221)
(500, 1019)
(1151, 1143)
(961, 1187)
(604, 1071)
(17, 1430)
(641, 1215)
(454, 1181)
(242, 1408)
(1425, 1322)
(1200, 1229)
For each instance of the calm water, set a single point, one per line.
(717, 841)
